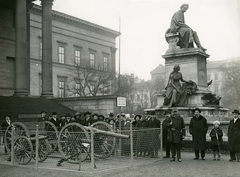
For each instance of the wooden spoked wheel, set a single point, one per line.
(74, 142)
(104, 145)
(20, 130)
(23, 150)
(50, 130)
(43, 148)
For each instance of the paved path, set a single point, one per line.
(163, 168)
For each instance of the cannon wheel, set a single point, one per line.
(52, 133)
(74, 142)
(43, 149)
(23, 150)
(20, 130)
(104, 145)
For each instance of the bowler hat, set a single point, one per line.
(95, 114)
(137, 116)
(111, 114)
(54, 113)
(167, 112)
(235, 111)
(197, 109)
(6, 116)
(87, 112)
(101, 117)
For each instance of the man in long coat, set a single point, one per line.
(166, 143)
(176, 134)
(153, 136)
(234, 137)
(198, 129)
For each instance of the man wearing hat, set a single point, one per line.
(5, 125)
(198, 128)
(88, 118)
(43, 115)
(55, 120)
(166, 142)
(234, 137)
(176, 134)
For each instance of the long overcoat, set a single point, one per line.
(166, 142)
(234, 135)
(142, 140)
(177, 129)
(153, 133)
(198, 129)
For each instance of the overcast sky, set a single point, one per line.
(144, 22)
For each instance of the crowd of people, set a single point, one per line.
(174, 132)
(146, 132)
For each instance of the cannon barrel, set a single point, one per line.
(118, 135)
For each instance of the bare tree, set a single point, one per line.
(231, 87)
(84, 81)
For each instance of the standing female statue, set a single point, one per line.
(174, 87)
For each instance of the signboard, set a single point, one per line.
(121, 101)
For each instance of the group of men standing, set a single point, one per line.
(174, 132)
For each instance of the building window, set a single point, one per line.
(77, 56)
(216, 77)
(77, 88)
(61, 54)
(92, 60)
(105, 63)
(61, 89)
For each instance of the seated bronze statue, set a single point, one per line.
(187, 36)
(176, 93)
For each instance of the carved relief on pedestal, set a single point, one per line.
(172, 40)
(180, 60)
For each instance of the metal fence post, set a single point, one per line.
(12, 146)
(131, 143)
(92, 149)
(37, 146)
(161, 141)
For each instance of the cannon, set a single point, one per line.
(74, 141)
(24, 137)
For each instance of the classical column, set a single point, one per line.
(21, 52)
(47, 83)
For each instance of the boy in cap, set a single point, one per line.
(216, 139)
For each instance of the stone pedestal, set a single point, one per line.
(192, 62)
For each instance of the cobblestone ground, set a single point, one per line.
(142, 168)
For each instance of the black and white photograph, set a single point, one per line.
(118, 88)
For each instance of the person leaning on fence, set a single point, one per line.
(7, 122)
(216, 140)
(153, 136)
(135, 133)
(176, 134)
(234, 137)
(198, 128)
(166, 142)
(126, 131)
